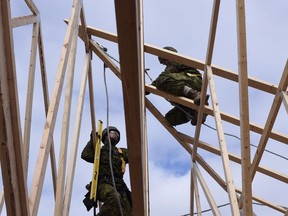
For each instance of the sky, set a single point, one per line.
(184, 25)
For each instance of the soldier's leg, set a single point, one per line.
(194, 114)
(109, 197)
(176, 116)
(126, 203)
(192, 90)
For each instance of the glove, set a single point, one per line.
(91, 135)
(87, 202)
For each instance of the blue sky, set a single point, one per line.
(185, 25)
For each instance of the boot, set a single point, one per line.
(195, 117)
(195, 114)
(196, 96)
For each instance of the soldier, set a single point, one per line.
(105, 191)
(180, 80)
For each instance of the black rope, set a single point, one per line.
(223, 205)
(234, 136)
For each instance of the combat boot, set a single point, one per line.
(194, 116)
(196, 96)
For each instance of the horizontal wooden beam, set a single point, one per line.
(24, 20)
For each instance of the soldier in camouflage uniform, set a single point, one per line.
(180, 80)
(105, 191)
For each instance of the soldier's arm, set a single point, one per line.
(88, 152)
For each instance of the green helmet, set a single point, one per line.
(162, 60)
(105, 131)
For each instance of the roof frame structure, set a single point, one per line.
(15, 152)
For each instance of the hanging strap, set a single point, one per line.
(123, 166)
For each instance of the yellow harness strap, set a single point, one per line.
(123, 166)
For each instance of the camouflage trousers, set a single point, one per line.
(109, 197)
(180, 115)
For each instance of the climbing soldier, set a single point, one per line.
(180, 80)
(115, 202)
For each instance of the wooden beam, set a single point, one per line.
(244, 109)
(266, 203)
(194, 190)
(209, 53)
(224, 116)
(218, 71)
(212, 32)
(1, 200)
(39, 174)
(15, 190)
(130, 30)
(233, 157)
(46, 103)
(33, 8)
(207, 192)
(167, 125)
(270, 120)
(284, 95)
(24, 20)
(29, 97)
(65, 128)
(75, 139)
(223, 147)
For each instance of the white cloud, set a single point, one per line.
(184, 25)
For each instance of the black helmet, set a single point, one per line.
(161, 60)
(111, 128)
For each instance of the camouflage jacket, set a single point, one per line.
(178, 72)
(104, 166)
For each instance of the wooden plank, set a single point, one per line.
(224, 116)
(24, 20)
(218, 71)
(166, 124)
(270, 120)
(200, 115)
(29, 97)
(233, 157)
(84, 29)
(223, 147)
(65, 128)
(211, 172)
(46, 103)
(129, 31)
(38, 179)
(212, 32)
(75, 139)
(209, 53)
(194, 184)
(266, 203)
(33, 8)
(1, 200)
(246, 200)
(15, 190)
(207, 192)
(284, 96)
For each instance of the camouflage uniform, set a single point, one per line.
(172, 80)
(105, 190)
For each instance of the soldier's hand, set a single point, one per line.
(91, 135)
